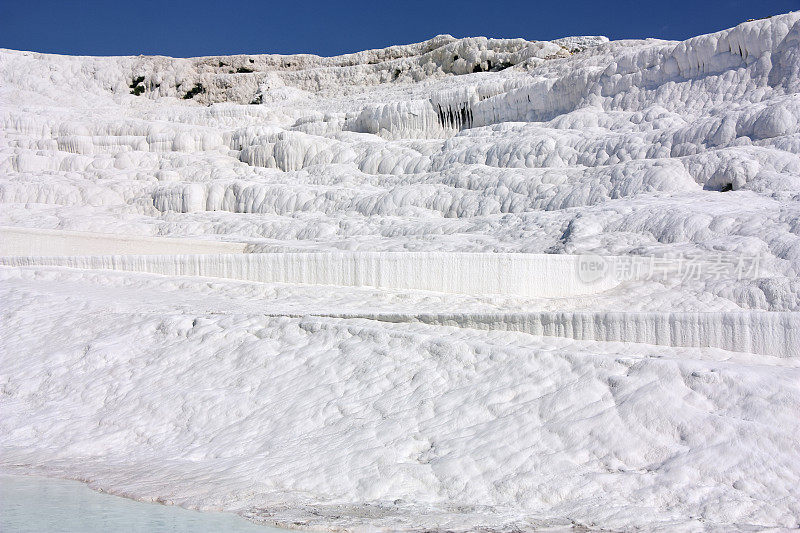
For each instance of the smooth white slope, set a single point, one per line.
(331, 423)
(16, 241)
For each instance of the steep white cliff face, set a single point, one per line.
(474, 199)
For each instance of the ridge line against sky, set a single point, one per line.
(204, 27)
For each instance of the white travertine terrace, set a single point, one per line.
(479, 274)
(346, 292)
(32, 242)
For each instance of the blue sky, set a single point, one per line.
(204, 27)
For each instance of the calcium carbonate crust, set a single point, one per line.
(232, 282)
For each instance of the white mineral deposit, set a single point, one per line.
(465, 284)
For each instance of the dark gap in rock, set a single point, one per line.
(194, 91)
(137, 85)
(457, 117)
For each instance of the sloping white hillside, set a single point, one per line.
(559, 285)
(184, 392)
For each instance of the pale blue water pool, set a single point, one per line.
(36, 504)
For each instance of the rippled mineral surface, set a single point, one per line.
(464, 284)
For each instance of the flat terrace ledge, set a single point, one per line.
(477, 274)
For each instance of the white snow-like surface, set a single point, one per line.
(479, 274)
(474, 274)
(32, 242)
(352, 292)
(336, 422)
